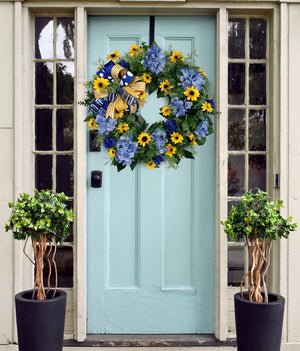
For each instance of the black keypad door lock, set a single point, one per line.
(96, 179)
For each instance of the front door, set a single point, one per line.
(150, 241)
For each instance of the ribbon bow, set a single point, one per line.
(127, 97)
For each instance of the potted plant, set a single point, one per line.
(258, 314)
(44, 219)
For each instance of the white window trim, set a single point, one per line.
(23, 133)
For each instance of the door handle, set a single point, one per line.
(96, 179)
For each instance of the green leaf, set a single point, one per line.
(188, 154)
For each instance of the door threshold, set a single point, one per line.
(150, 340)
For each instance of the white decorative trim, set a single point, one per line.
(80, 166)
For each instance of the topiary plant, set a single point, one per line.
(45, 219)
(259, 222)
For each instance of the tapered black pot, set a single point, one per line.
(258, 325)
(40, 324)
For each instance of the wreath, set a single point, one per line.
(118, 91)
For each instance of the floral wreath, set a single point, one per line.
(119, 90)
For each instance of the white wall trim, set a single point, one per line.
(81, 176)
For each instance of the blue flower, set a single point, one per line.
(202, 129)
(109, 142)
(212, 103)
(171, 126)
(191, 78)
(126, 150)
(180, 107)
(105, 125)
(158, 159)
(155, 60)
(159, 140)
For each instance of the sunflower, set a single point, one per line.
(199, 69)
(151, 165)
(165, 85)
(147, 78)
(123, 127)
(119, 114)
(113, 56)
(176, 56)
(171, 150)
(204, 74)
(92, 124)
(100, 83)
(165, 110)
(144, 139)
(206, 106)
(192, 139)
(176, 137)
(112, 152)
(192, 93)
(142, 95)
(134, 50)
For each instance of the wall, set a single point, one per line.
(6, 167)
(294, 171)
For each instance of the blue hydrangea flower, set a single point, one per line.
(109, 142)
(126, 150)
(212, 103)
(105, 125)
(180, 107)
(190, 78)
(159, 139)
(155, 60)
(158, 159)
(202, 129)
(171, 126)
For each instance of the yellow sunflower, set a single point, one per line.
(176, 56)
(119, 114)
(165, 85)
(143, 95)
(151, 165)
(100, 83)
(114, 56)
(206, 106)
(134, 50)
(147, 78)
(176, 137)
(192, 139)
(199, 69)
(171, 150)
(165, 110)
(192, 93)
(92, 124)
(112, 152)
(144, 139)
(204, 74)
(123, 127)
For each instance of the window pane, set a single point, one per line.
(236, 175)
(43, 172)
(236, 38)
(257, 84)
(43, 38)
(258, 39)
(236, 129)
(257, 130)
(65, 174)
(64, 129)
(65, 82)
(235, 265)
(43, 129)
(65, 38)
(64, 264)
(257, 172)
(44, 83)
(236, 83)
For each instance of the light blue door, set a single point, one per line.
(150, 243)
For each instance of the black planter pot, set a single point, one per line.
(40, 324)
(258, 325)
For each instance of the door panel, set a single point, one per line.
(150, 232)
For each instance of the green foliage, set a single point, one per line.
(43, 213)
(255, 217)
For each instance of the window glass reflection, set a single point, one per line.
(236, 129)
(258, 38)
(257, 84)
(44, 83)
(43, 38)
(65, 38)
(257, 130)
(236, 175)
(43, 129)
(257, 172)
(65, 174)
(236, 83)
(235, 265)
(43, 172)
(236, 38)
(65, 82)
(64, 130)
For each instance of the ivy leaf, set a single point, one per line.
(120, 167)
(188, 154)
